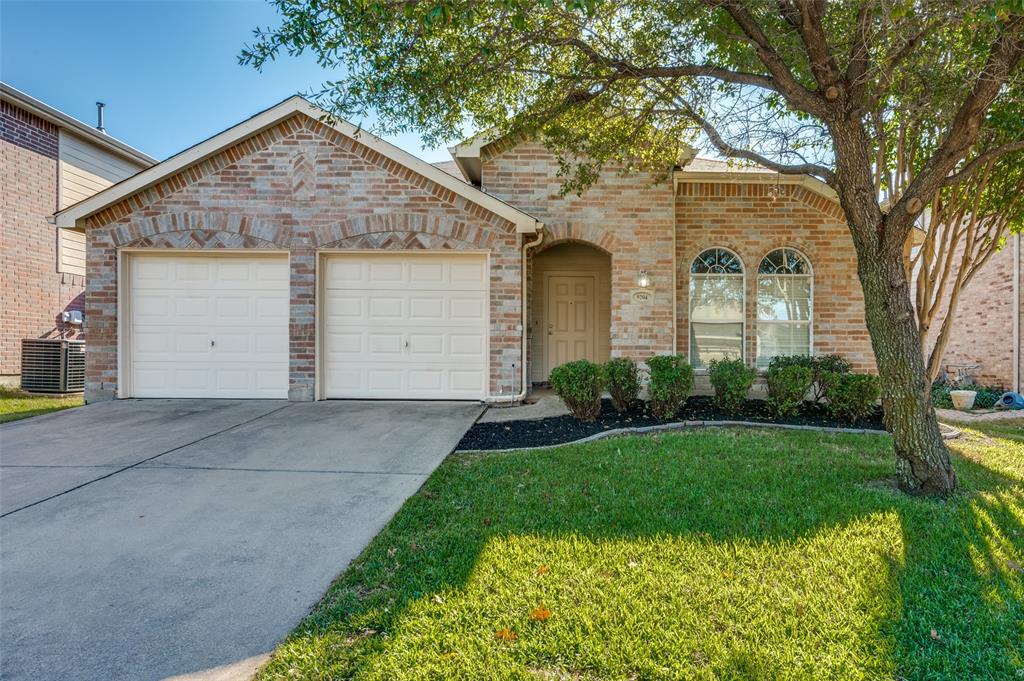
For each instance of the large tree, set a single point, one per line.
(803, 87)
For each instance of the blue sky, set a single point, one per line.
(168, 71)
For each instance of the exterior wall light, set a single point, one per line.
(643, 279)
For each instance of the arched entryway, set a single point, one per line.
(570, 307)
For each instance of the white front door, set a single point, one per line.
(571, 308)
(405, 325)
(208, 325)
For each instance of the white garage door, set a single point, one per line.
(209, 326)
(405, 326)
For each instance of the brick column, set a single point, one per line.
(302, 326)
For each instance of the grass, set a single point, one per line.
(709, 554)
(15, 404)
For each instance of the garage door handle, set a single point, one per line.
(212, 343)
(406, 343)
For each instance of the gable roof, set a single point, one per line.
(62, 120)
(69, 217)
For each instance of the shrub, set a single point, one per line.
(670, 384)
(825, 368)
(988, 396)
(852, 396)
(787, 387)
(579, 385)
(623, 382)
(940, 396)
(731, 379)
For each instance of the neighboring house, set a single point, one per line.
(286, 257)
(50, 161)
(988, 331)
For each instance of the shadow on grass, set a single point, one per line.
(710, 554)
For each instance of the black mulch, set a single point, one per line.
(561, 429)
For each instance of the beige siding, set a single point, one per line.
(71, 251)
(86, 169)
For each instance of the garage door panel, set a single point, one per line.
(405, 326)
(213, 326)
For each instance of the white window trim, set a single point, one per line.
(810, 317)
(689, 305)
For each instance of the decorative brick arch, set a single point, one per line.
(201, 239)
(590, 235)
(189, 229)
(401, 241)
(406, 230)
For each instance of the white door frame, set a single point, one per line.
(322, 254)
(124, 388)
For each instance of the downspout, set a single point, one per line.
(1016, 314)
(497, 399)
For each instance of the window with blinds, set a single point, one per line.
(716, 307)
(784, 305)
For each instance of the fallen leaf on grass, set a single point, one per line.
(542, 570)
(935, 636)
(540, 614)
(506, 635)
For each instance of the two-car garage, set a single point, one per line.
(392, 325)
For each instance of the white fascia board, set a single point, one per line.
(68, 217)
(813, 184)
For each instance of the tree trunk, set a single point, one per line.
(922, 460)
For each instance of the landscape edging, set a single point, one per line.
(680, 425)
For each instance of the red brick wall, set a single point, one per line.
(629, 217)
(299, 186)
(983, 325)
(34, 293)
(644, 226)
(745, 219)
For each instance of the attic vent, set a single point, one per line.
(52, 365)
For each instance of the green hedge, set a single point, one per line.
(731, 379)
(670, 384)
(579, 384)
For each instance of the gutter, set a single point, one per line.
(524, 381)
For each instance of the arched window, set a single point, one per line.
(716, 307)
(784, 305)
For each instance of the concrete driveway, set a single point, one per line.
(146, 539)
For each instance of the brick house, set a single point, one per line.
(293, 257)
(988, 331)
(50, 161)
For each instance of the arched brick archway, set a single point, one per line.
(570, 305)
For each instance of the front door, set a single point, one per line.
(571, 309)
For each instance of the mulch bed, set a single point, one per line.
(562, 429)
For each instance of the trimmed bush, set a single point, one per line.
(731, 379)
(579, 385)
(825, 368)
(623, 382)
(822, 368)
(788, 387)
(670, 384)
(852, 396)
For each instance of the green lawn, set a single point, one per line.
(14, 404)
(709, 554)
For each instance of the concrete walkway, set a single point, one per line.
(156, 538)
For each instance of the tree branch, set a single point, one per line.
(980, 160)
(1007, 52)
